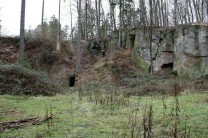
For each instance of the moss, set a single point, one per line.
(182, 73)
(139, 61)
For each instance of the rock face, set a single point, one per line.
(162, 47)
(191, 51)
(183, 49)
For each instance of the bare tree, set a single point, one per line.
(71, 15)
(143, 13)
(43, 6)
(120, 24)
(58, 46)
(0, 22)
(86, 15)
(112, 14)
(97, 26)
(175, 12)
(22, 36)
(206, 1)
(78, 54)
(187, 15)
(150, 37)
(167, 12)
(0, 27)
(190, 7)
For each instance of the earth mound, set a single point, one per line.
(18, 80)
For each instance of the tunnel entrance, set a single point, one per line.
(167, 68)
(169, 65)
(132, 39)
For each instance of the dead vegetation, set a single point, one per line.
(116, 69)
(18, 80)
(23, 123)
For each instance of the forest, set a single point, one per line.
(117, 69)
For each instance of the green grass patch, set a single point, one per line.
(104, 112)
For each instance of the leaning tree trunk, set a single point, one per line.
(22, 35)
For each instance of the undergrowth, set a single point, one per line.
(18, 80)
(97, 110)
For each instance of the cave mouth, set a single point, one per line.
(132, 39)
(167, 66)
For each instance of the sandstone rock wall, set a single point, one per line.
(191, 51)
(183, 48)
(162, 47)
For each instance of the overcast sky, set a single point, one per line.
(10, 14)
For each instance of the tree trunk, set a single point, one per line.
(175, 13)
(42, 32)
(97, 22)
(207, 8)
(196, 11)
(166, 13)
(78, 54)
(71, 21)
(163, 13)
(58, 46)
(192, 15)
(150, 37)
(160, 9)
(22, 35)
(120, 23)
(0, 23)
(187, 12)
(202, 10)
(86, 20)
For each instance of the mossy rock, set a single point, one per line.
(139, 61)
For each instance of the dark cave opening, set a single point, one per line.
(167, 66)
(132, 39)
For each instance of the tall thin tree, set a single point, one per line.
(58, 46)
(0, 27)
(86, 15)
(43, 6)
(175, 12)
(78, 54)
(22, 35)
(71, 15)
(150, 37)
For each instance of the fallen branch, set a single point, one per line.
(23, 123)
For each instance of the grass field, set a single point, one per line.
(100, 113)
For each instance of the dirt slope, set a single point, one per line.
(116, 69)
